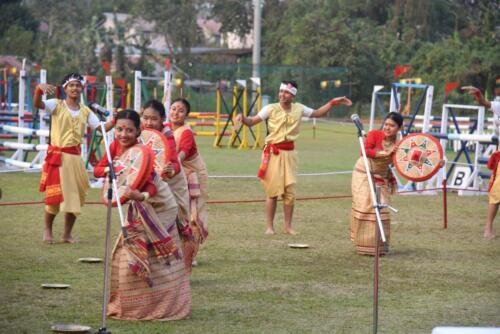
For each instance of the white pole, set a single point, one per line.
(109, 95)
(257, 22)
(40, 156)
(442, 141)
(137, 90)
(167, 90)
(479, 146)
(19, 155)
(109, 105)
(392, 105)
(428, 109)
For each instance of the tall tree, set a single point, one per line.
(235, 15)
(17, 29)
(175, 20)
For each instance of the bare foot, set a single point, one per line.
(269, 231)
(47, 238)
(69, 240)
(489, 236)
(290, 231)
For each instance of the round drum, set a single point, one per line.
(132, 169)
(418, 157)
(158, 143)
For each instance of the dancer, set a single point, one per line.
(278, 170)
(380, 146)
(64, 179)
(494, 189)
(148, 276)
(195, 170)
(153, 117)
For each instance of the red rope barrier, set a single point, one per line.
(209, 202)
(262, 200)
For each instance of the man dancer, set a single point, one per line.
(64, 178)
(494, 191)
(278, 169)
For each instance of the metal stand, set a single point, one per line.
(379, 231)
(112, 181)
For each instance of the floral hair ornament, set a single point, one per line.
(74, 77)
(289, 88)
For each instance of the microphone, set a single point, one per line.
(99, 110)
(359, 125)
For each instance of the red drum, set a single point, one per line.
(158, 143)
(132, 169)
(418, 157)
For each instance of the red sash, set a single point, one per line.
(275, 149)
(50, 182)
(493, 165)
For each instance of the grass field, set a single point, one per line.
(251, 283)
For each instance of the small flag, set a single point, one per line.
(399, 70)
(106, 66)
(450, 86)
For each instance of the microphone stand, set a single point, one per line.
(112, 182)
(379, 231)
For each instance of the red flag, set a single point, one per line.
(120, 83)
(90, 79)
(399, 70)
(450, 86)
(167, 64)
(106, 66)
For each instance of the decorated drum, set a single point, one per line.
(132, 169)
(158, 143)
(418, 157)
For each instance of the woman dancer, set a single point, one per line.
(194, 167)
(380, 146)
(148, 276)
(153, 117)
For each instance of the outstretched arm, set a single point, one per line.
(322, 111)
(39, 91)
(248, 121)
(476, 92)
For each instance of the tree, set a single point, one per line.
(236, 16)
(175, 20)
(69, 41)
(17, 29)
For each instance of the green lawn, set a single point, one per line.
(251, 283)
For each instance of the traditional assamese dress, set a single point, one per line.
(278, 169)
(179, 187)
(148, 276)
(197, 178)
(64, 178)
(363, 223)
(494, 186)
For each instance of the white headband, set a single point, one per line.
(289, 88)
(73, 78)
